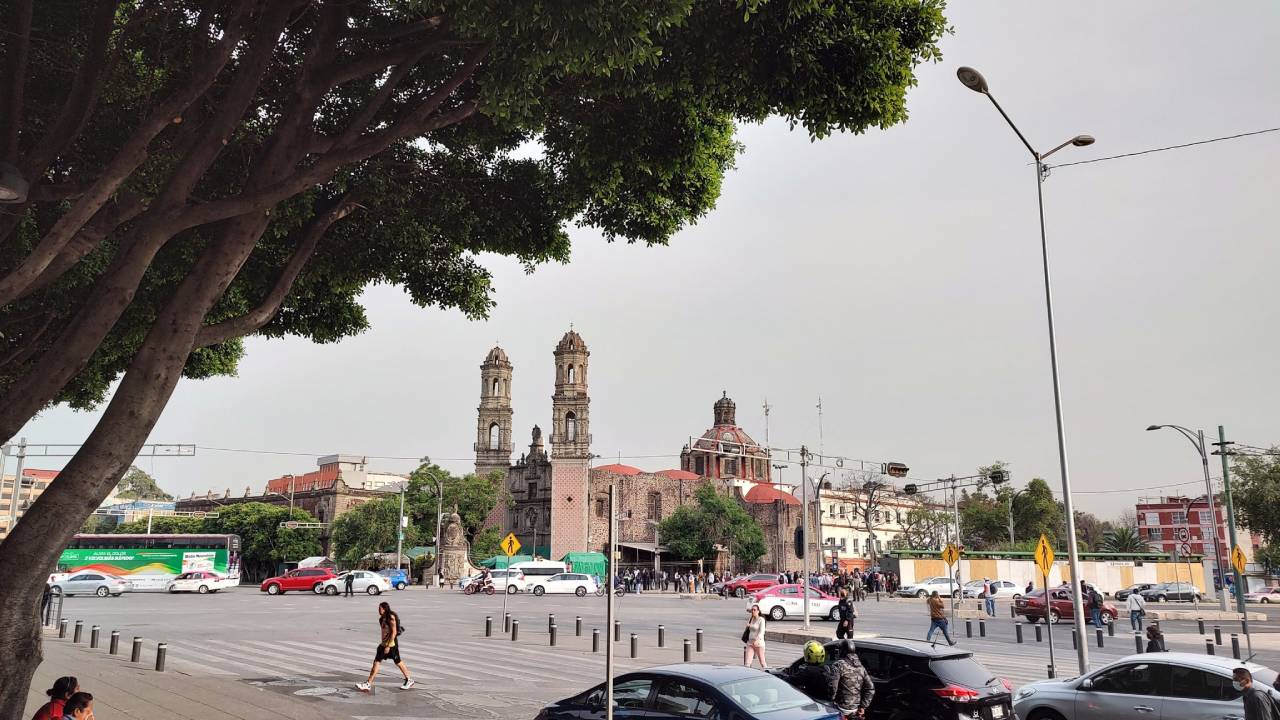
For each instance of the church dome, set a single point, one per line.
(496, 355)
(571, 341)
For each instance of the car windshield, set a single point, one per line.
(1264, 675)
(964, 671)
(764, 694)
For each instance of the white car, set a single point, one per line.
(1001, 589)
(199, 581)
(512, 578)
(562, 583)
(944, 585)
(365, 581)
(92, 583)
(787, 601)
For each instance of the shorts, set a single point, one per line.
(384, 653)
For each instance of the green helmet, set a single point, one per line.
(814, 652)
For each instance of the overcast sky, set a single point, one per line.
(894, 274)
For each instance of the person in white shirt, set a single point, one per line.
(1137, 611)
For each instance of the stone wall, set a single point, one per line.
(569, 505)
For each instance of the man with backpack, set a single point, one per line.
(1258, 703)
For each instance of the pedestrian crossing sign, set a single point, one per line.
(950, 554)
(1237, 559)
(510, 545)
(1044, 556)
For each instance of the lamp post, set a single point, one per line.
(1197, 440)
(426, 460)
(657, 568)
(973, 80)
(1012, 495)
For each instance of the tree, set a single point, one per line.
(138, 485)
(369, 528)
(1256, 494)
(866, 504)
(1036, 512)
(1090, 531)
(923, 529)
(1268, 556)
(475, 498)
(163, 524)
(693, 531)
(203, 170)
(485, 543)
(1128, 519)
(264, 545)
(983, 520)
(1124, 540)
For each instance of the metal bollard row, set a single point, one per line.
(1017, 631)
(687, 648)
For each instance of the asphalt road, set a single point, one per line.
(316, 647)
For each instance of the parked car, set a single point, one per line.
(562, 583)
(1135, 588)
(1171, 591)
(750, 584)
(92, 583)
(1152, 685)
(1263, 595)
(199, 581)
(1032, 607)
(365, 581)
(300, 579)
(782, 601)
(694, 690)
(1002, 588)
(924, 681)
(944, 585)
(398, 578)
(514, 579)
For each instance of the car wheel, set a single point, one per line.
(740, 592)
(273, 589)
(172, 589)
(400, 586)
(102, 592)
(203, 589)
(373, 590)
(834, 615)
(1266, 601)
(921, 594)
(539, 590)
(55, 589)
(1053, 617)
(1107, 619)
(580, 592)
(512, 589)
(1161, 598)
(317, 588)
(331, 590)
(777, 613)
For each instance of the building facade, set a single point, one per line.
(1186, 526)
(845, 517)
(13, 505)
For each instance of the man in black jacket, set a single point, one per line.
(851, 687)
(1258, 703)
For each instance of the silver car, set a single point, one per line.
(361, 581)
(92, 583)
(1160, 686)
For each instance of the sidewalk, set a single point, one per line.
(124, 690)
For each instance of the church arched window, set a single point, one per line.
(495, 387)
(572, 377)
(494, 436)
(699, 465)
(570, 427)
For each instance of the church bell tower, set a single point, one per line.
(493, 416)
(570, 448)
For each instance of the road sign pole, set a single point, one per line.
(1048, 605)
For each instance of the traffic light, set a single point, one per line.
(895, 469)
(998, 476)
(910, 489)
(799, 543)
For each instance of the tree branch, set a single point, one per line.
(270, 305)
(398, 31)
(89, 238)
(15, 84)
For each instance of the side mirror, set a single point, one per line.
(1086, 684)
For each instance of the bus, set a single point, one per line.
(149, 562)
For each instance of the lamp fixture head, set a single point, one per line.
(1082, 140)
(972, 79)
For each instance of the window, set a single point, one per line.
(1151, 518)
(680, 699)
(699, 466)
(1205, 518)
(532, 491)
(494, 434)
(600, 507)
(495, 387)
(1131, 679)
(1154, 533)
(854, 545)
(1179, 518)
(731, 467)
(570, 427)
(654, 509)
(632, 693)
(1189, 682)
(572, 376)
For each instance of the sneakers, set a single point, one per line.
(366, 687)
(408, 683)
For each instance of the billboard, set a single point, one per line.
(147, 569)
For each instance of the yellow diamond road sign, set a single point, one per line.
(950, 554)
(510, 545)
(1044, 556)
(1237, 559)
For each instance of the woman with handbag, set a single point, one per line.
(753, 638)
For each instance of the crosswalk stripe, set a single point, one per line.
(239, 664)
(236, 650)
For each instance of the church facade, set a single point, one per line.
(556, 502)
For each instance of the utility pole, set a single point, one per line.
(821, 449)
(1223, 451)
(804, 529)
(955, 510)
(17, 486)
(608, 608)
(400, 532)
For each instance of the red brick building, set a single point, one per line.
(1185, 524)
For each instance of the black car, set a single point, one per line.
(694, 690)
(1171, 591)
(918, 680)
(1138, 588)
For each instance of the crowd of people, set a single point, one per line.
(640, 580)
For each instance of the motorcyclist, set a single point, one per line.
(851, 687)
(486, 579)
(810, 674)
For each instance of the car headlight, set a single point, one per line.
(1024, 693)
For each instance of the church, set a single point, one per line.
(556, 500)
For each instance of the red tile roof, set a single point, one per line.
(39, 474)
(321, 479)
(618, 469)
(678, 474)
(762, 494)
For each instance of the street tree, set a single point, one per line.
(984, 520)
(869, 492)
(264, 545)
(138, 485)
(1090, 531)
(1124, 540)
(693, 531)
(485, 544)
(1036, 512)
(203, 170)
(923, 529)
(1268, 556)
(474, 496)
(164, 524)
(1256, 494)
(370, 527)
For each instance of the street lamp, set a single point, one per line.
(1012, 496)
(13, 186)
(973, 80)
(426, 461)
(1197, 440)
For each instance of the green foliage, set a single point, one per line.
(163, 524)
(984, 520)
(1268, 556)
(922, 529)
(1036, 512)
(485, 543)
(1255, 485)
(693, 531)
(1090, 531)
(474, 497)
(369, 528)
(138, 485)
(97, 525)
(264, 544)
(1124, 540)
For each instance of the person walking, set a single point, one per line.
(1095, 606)
(938, 618)
(753, 638)
(1258, 703)
(851, 687)
(988, 590)
(1137, 611)
(846, 613)
(1031, 586)
(348, 584)
(1155, 638)
(62, 690)
(388, 648)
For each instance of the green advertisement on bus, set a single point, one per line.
(145, 568)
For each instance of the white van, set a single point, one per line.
(536, 572)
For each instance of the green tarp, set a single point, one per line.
(501, 561)
(591, 563)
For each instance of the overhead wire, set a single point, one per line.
(1168, 147)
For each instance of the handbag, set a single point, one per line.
(746, 635)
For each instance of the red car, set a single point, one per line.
(1031, 607)
(300, 579)
(750, 584)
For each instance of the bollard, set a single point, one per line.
(662, 636)
(968, 628)
(488, 626)
(1039, 635)
(552, 632)
(515, 630)
(1208, 647)
(136, 655)
(1235, 646)
(1017, 631)
(62, 628)
(1013, 611)
(595, 640)
(93, 636)
(79, 628)
(577, 626)
(1074, 640)
(698, 635)
(551, 620)
(161, 650)
(1050, 669)
(687, 649)
(1200, 624)
(1111, 628)
(1099, 637)
(115, 642)
(506, 622)
(635, 644)
(1217, 635)
(617, 631)
(1137, 642)
(982, 628)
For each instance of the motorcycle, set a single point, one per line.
(618, 589)
(486, 587)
